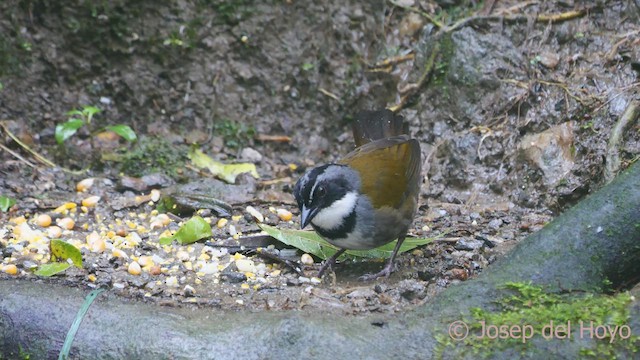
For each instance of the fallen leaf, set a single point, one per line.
(52, 268)
(225, 172)
(61, 249)
(312, 243)
(6, 203)
(193, 230)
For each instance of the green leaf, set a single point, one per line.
(307, 66)
(6, 203)
(123, 130)
(61, 249)
(67, 129)
(90, 110)
(226, 172)
(312, 243)
(51, 269)
(191, 231)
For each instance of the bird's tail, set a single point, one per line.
(378, 124)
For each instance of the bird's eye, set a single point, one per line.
(321, 191)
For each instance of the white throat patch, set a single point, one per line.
(333, 216)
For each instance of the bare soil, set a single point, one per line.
(514, 118)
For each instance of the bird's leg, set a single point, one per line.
(389, 268)
(329, 262)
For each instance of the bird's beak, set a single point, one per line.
(306, 215)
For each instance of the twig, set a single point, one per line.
(18, 156)
(427, 16)
(275, 138)
(612, 161)
(265, 253)
(329, 94)
(393, 61)
(39, 157)
(411, 89)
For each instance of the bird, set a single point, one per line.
(369, 197)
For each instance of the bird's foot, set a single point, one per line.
(327, 264)
(386, 271)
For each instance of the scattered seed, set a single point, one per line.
(134, 268)
(246, 265)
(236, 218)
(98, 246)
(10, 269)
(43, 220)
(306, 259)
(85, 185)
(232, 230)
(284, 215)
(64, 208)
(54, 231)
(166, 220)
(255, 214)
(66, 223)
(92, 278)
(145, 261)
(244, 286)
(155, 195)
(91, 201)
(222, 222)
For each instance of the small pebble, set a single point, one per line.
(118, 286)
(255, 214)
(98, 246)
(85, 185)
(66, 223)
(91, 201)
(306, 259)
(189, 291)
(284, 215)
(172, 281)
(155, 270)
(134, 268)
(43, 220)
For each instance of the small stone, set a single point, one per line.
(172, 281)
(209, 268)
(459, 274)
(495, 223)
(251, 155)
(155, 270)
(468, 244)
(189, 291)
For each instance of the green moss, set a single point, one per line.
(530, 312)
(235, 134)
(151, 155)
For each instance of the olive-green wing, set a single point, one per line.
(389, 169)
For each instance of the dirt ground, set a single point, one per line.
(519, 107)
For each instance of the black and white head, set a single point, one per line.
(327, 196)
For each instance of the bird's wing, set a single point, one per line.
(389, 170)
